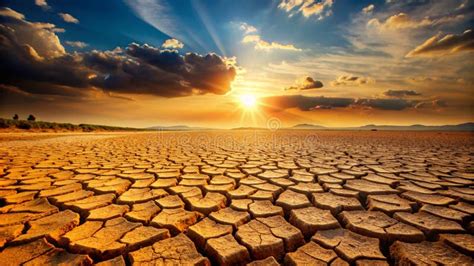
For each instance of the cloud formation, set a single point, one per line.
(172, 44)
(33, 37)
(404, 21)
(368, 9)
(77, 44)
(247, 28)
(436, 104)
(401, 93)
(350, 80)
(34, 61)
(267, 46)
(307, 8)
(439, 45)
(68, 18)
(385, 104)
(305, 103)
(42, 3)
(307, 83)
(311, 103)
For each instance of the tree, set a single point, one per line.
(31, 118)
(15, 117)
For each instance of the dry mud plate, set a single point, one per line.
(237, 198)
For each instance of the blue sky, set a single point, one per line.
(107, 24)
(391, 61)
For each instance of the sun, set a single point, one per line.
(248, 101)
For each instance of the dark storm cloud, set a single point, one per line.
(208, 73)
(34, 60)
(168, 60)
(309, 103)
(117, 72)
(308, 83)
(386, 104)
(401, 93)
(305, 103)
(34, 71)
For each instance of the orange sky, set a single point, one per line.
(391, 63)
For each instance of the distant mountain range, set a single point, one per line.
(308, 126)
(460, 127)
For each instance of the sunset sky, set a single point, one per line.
(234, 63)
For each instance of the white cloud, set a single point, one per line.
(172, 44)
(368, 9)
(77, 44)
(267, 46)
(68, 18)
(247, 28)
(158, 14)
(307, 8)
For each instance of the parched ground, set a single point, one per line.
(237, 197)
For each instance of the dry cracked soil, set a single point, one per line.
(238, 198)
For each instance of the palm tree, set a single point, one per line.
(31, 118)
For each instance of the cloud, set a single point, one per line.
(267, 46)
(463, 5)
(404, 21)
(436, 104)
(42, 3)
(306, 84)
(158, 14)
(6, 13)
(386, 104)
(421, 79)
(77, 44)
(172, 44)
(32, 37)
(34, 61)
(262, 44)
(401, 93)
(68, 18)
(350, 80)
(368, 9)
(145, 69)
(307, 8)
(304, 103)
(312, 103)
(247, 28)
(439, 45)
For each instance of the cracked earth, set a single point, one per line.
(237, 198)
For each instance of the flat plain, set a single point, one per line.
(237, 197)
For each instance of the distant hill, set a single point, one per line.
(460, 127)
(307, 126)
(177, 128)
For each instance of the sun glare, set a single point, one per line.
(248, 101)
